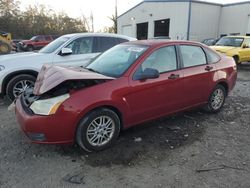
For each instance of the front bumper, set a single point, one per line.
(54, 129)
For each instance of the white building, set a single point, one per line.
(185, 19)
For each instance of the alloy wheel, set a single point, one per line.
(21, 86)
(100, 131)
(217, 99)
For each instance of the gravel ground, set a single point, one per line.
(192, 149)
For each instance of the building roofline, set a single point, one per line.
(184, 1)
(206, 2)
(169, 1)
(239, 3)
(130, 9)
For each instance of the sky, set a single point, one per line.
(101, 9)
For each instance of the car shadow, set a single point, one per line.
(245, 66)
(154, 139)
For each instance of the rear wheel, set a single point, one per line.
(236, 59)
(19, 84)
(216, 99)
(98, 130)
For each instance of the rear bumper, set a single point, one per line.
(53, 129)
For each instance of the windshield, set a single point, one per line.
(51, 47)
(117, 60)
(33, 38)
(230, 41)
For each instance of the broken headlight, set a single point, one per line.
(48, 106)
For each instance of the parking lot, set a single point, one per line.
(192, 149)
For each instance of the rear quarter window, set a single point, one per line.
(120, 40)
(212, 57)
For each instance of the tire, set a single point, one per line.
(236, 59)
(93, 140)
(30, 48)
(16, 82)
(5, 48)
(216, 99)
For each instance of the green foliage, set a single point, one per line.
(35, 20)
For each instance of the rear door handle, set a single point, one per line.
(208, 68)
(174, 76)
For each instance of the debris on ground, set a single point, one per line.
(139, 139)
(220, 167)
(219, 153)
(174, 128)
(75, 179)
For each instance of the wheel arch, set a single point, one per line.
(13, 74)
(225, 85)
(237, 56)
(110, 107)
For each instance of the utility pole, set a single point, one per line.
(116, 16)
(92, 21)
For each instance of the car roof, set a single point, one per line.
(162, 42)
(236, 36)
(99, 34)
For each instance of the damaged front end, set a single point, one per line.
(54, 85)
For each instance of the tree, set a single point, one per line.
(35, 20)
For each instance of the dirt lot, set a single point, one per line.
(193, 149)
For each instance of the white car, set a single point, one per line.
(19, 71)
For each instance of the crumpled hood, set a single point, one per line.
(51, 76)
(223, 49)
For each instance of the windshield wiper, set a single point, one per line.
(92, 70)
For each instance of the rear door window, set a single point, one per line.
(104, 43)
(192, 56)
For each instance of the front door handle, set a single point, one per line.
(208, 68)
(174, 76)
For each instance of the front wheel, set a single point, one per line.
(30, 48)
(19, 84)
(98, 130)
(216, 99)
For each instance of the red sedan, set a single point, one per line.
(129, 84)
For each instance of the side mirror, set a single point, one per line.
(148, 73)
(66, 51)
(245, 46)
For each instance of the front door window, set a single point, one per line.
(81, 45)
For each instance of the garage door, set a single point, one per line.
(127, 30)
(248, 26)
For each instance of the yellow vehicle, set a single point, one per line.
(5, 43)
(237, 47)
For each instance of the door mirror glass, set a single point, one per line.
(148, 73)
(65, 51)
